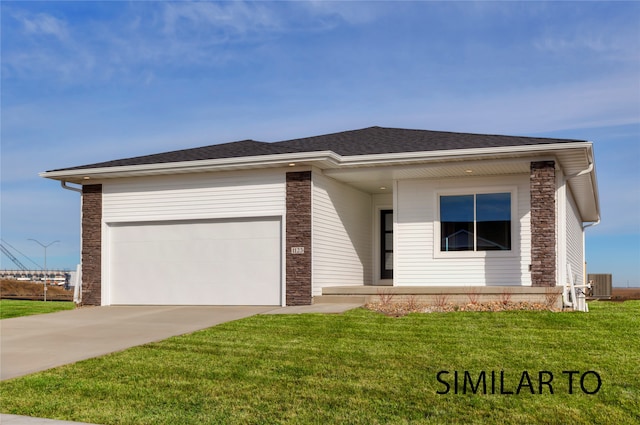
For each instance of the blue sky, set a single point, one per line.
(84, 82)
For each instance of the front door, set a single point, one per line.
(386, 244)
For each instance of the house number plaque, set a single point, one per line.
(297, 250)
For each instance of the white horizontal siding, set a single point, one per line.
(415, 262)
(179, 197)
(341, 235)
(574, 239)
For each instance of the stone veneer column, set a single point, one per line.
(298, 222)
(91, 244)
(542, 183)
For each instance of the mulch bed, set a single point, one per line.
(401, 309)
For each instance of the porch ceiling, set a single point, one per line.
(378, 178)
(371, 180)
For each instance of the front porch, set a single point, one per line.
(436, 295)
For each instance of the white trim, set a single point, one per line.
(561, 229)
(327, 158)
(262, 161)
(455, 154)
(396, 229)
(474, 190)
(569, 152)
(283, 259)
(105, 253)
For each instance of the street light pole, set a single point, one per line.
(45, 262)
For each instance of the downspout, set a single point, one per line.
(571, 287)
(63, 183)
(595, 223)
(580, 173)
(584, 253)
(77, 289)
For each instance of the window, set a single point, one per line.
(478, 222)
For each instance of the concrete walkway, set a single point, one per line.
(27, 420)
(36, 343)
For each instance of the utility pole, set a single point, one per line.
(45, 262)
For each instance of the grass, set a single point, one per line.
(360, 367)
(17, 308)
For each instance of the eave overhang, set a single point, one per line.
(572, 158)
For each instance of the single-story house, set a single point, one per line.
(282, 223)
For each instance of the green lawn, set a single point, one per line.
(358, 367)
(17, 308)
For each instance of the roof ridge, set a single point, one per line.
(464, 133)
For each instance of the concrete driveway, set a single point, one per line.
(35, 343)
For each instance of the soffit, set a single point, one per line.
(379, 179)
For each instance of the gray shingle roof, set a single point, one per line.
(381, 140)
(366, 141)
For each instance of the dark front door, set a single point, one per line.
(386, 244)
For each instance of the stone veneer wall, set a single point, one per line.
(543, 223)
(91, 244)
(298, 222)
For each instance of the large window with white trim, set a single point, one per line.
(475, 222)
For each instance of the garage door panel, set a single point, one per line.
(233, 262)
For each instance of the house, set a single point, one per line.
(282, 223)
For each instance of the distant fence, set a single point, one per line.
(56, 297)
(55, 277)
(600, 285)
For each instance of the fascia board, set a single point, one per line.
(448, 155)
(466, 162)
(328, 157)
(594, 183)
(323, 159)
(589, 191)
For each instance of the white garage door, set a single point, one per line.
(230, 262)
